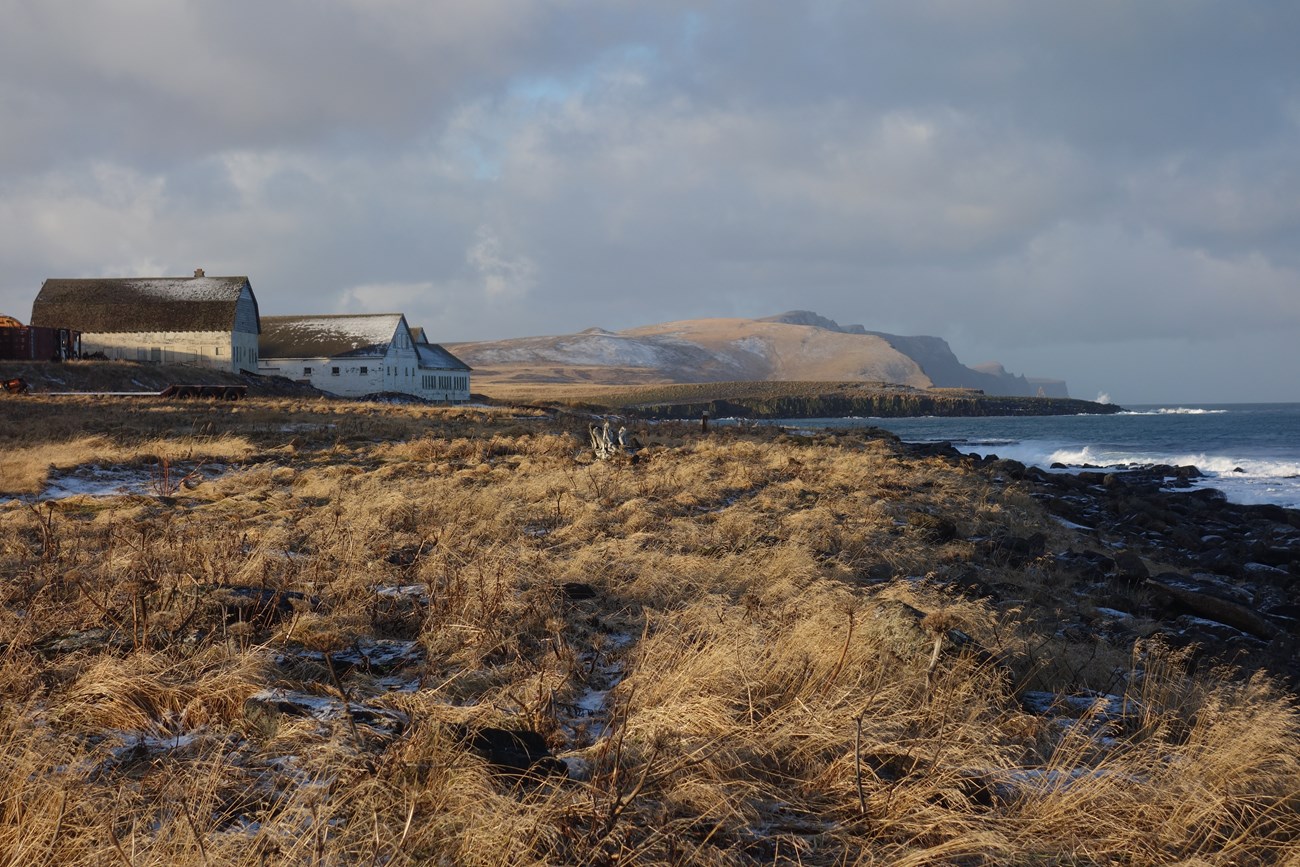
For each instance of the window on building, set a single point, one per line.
(306, 371)
(365, 371)
(216, 350)
(334, 371)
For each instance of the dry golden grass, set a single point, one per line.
(768, 668)
(25, 470)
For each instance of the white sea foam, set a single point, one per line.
(1243, 480)
(1175, 410)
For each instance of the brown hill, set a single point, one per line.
(795, 346)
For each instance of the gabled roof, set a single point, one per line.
(130, 304)
(434, 356)
(360, 335)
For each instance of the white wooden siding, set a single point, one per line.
(356, 375)
(440, 384)
(217, 349)
(246, 313)
(398, 370)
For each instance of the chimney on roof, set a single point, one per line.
(198, 272)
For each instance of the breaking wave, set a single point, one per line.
(1244, 480)
(1175, 410)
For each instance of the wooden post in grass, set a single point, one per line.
(704, 422)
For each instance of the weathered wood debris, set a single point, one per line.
(606, 445)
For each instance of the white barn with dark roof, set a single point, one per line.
(443, 376)
(211, 321)
(361, 354)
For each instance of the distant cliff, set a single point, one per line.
(936, 358)
(796, 346)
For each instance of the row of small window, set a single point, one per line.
(157, 353)
(444, 383)
(239, 353)
(428, 383)
(363, 371)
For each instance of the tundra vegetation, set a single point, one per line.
(736, 648)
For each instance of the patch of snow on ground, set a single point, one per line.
(1100, 704)
(591, 708)
(1070, 525)
(608, 350)
(753, 344)
(1062, 778)
(306, 425)
(592, 701)
(580, 349)
(93, 480)
(414, 592)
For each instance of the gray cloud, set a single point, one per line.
(1018, 177)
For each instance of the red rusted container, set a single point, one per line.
(34, 343)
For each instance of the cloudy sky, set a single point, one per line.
(1105, 191)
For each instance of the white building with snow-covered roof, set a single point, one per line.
(357, 355)
(443, 376)
(200, 320)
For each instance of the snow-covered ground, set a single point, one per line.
(93, 480)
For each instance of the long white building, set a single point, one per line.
(354, 355)
(198, 320)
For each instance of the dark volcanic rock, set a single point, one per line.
(1237, 581)
(1213, 600)
(935, 529)
(1015, 550)
(1010, 468)
(1130, 568)
(371, 655)
(1089, 565)
(95, 640)
(265, 710)
(513, 751)
(261, 606)
(577, 590)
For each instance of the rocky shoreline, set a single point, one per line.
(1221, 579)
(884, 404)
(808, 400)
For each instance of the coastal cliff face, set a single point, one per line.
(936, 358)
(795, 346)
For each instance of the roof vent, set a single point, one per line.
(198, 272)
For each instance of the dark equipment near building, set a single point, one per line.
(20, 342)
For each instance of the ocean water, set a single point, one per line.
(1251, 452)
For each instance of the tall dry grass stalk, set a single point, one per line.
(743, 645)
